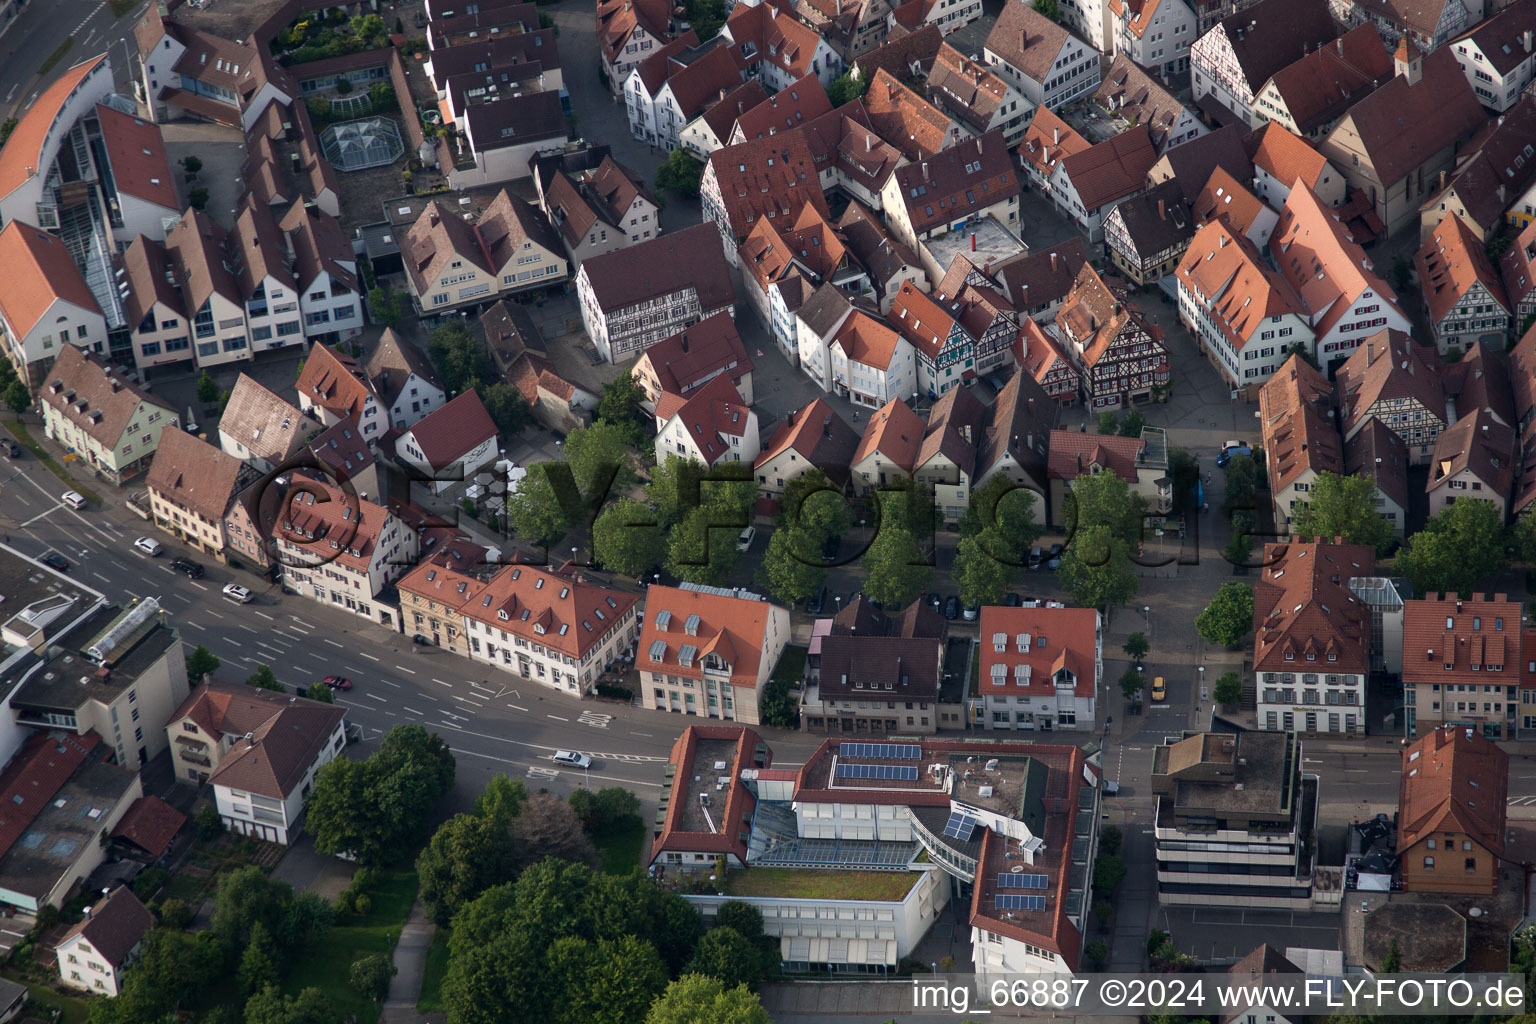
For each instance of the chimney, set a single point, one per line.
(826, 427)
(432, 218)
(685, 341)
(973, 241)
(978, 153)
(1442, 178)
(1525, 40)
(925, 169)
(1056, 135)
(1162, 210)
(1340, 43)
(1053, 263)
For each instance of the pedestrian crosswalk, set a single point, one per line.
(1522, 801)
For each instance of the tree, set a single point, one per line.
(465, 856)
(778, 706)
(1110, 839)
(534, 509)
(6, 127)
(680, 173)
(320, 692)
(343, 86)
(1002, 516)
(785, 573)
(1136, 646)
(846, 88)
(207, 389)
(18, 398)
(1108, 872)
(726, 954)
(198, 198)
(815, 510)
(244, 899)
(502, 799)
(1096, 951)
(605, 982)
(548, 827)
(370, 974)
(1131, 683)
(625, 538)
(1131, 425)
(270, 1006)
(1096, 569)
(385, 303)
(264, 679)
(1185, 472)
(461, 360)
(1343, 506)
(368, 26)
(1109, 423)
(619, 404)
(1049, 9)
(600, 456)
(1242, 484)
(1229, 616)
(201, 663)
(982, 578)
(1103, 499)
(507, 407)
(370, 809)
(210, 824)
(1456, 551)
(259, 963)
(1392, 963)
(702, 548)
(1229, 689)
(1103, 910)
(897, 571)
(697, 998)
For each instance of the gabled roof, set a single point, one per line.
(1285, 156)
(1266, 36)
(1453, 780)
(1314, 252)
(1093, 316)
(1228, 273)
(697, 83)
(1074, 453)
(151, 824)
(1111, 169)
(860, 616)
(864, 339)
(563, 611)
(653, 70)
(342, 450)
(1156, 220)
(1518, 266)
(900, 54)
(22, 156)
(671, 263)
(1054, 640)
(1453, 263)
(1298, 434)
(93, 395)
(870, 242)
(779, 39)
(1501, 38)
(1478, 444)
(136, 153)
(263, 421)
(393, 362)
(113, 927)
(730, 627)
(921, 320)
(197, 244)
(1229, 199)
(147, 272)
(38, 271)
(618, 19)
(287, 734)
(1040, 356)
(256, 248)
(1192, 163)
(1420, 17)
(966, 87)
(1048, 141)
(1522, 360)
(819, 436)
(1036, 279)
(1017, 427)
(761, 177)
(1305, 618)
(192, 474)
(708, 416)
(438, 237)
(1401, 126)
(1026, 39)
(334, 381)
(721, 116)
(954, 428)
(1380, 456)
(1388, 367)
(895, 432)
(710, 347)
(1320, 87)
(785, 110)
(846, 139)
(35, 773)
(904, 119)
(968, 177)
(1132, 92)
(447, 433)
(318, 246)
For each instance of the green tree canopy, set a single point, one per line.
(1136, 646)
(1343, 506)
(502, 799)
(1229, 616)
(845, 88)
(697, 999)
(1096, 568)
(626, 539)
(680, 173)
(465, 856)
(1103, 499)
(600, 457)
(726, 954)
(788, 574)
(534, 509)
(371, 808)
(1229, 689)
(507, 407)
(981, 577)
(461, 360)
(264, 679)
(897, 570)
(320, 692)
(1456, 551)
(370, 974)
(200, 663)
(270, 1006)
(619, 404)
(1131, 683)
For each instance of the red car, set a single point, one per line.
(338, 682)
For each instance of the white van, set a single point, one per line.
(74, 500)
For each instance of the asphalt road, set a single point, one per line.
(45, 24)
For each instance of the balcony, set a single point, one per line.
(196, 759)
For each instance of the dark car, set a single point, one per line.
(952, 608)
(191, 569)
(338, 682)
(936, 599)
(53, 560)
(816, 602)
(421, 639)
(1013, 600)
(11, 448)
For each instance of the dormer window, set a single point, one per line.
(502, 615)
(538, 628)
(1290, 655)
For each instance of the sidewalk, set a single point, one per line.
(411, 964)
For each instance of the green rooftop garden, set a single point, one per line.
(889, 886)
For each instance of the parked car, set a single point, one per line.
(75, 500)
(570, 757)
(235, 592)
(952, 607)
(189, 568)
(745, 538)
(149, 546)
(11, 448)
(1036, 558)
(969, 612)
(53, 560)
(816, 602)
(1232, 449)
(1111, 787)
(338, 682)
(1013, 600)
(1159, 690)
(421, 640)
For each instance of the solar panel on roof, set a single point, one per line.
(1018, 901)
(884, 751)
(900, 772)
(1023, 881)
(960, 826)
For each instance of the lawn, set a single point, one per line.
(431, 1000)
(821, 885)
(618, 846)
(71, 1010)
(791, 666)
(350, 937)
(25, 437)
(54, 57)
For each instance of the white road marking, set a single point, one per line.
(266, 616)
(514, 707)
(387, 682)
(439, 681)
(233, 642)
(269, 647)
(408, 671)
(634, 733)
(196, 584)
(364, 654)
(477, 704)
(557, 718)
(411, 710)
(301, 629)
(215, 614)
(543, 773)
(101, 577)
(41, 515)
(374, 696)
(487, 689)
(333, 643)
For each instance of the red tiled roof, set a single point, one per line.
(1112, 169)
(785, 110)
(1298, 435)
(732, 628)
(1452, 263)
(34, 775)
(1305, 618)
(150, 824)
(867, 340)
(964, 179)
(820, 437)
(1073, 453)
(561, 611)
(904, 119)
(136, 152)
(1315, 253)
(1285, 156)
(114, 926)
(1453, 780)
(22, 156)
(38, 270)
(460, 426)
(1388, 367)
(1059, 640)
(895, 431)
(334, 381)
(739, 803)
(709, 415)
